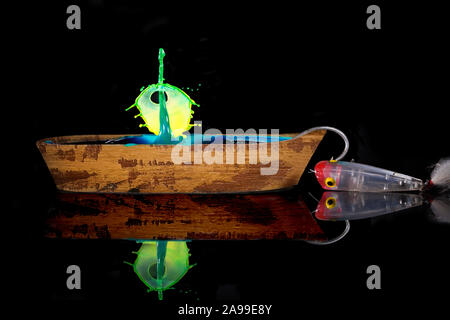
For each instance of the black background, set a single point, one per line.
(268, 65)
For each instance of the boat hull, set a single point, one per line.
(116, 168)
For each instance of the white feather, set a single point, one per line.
(440, 176)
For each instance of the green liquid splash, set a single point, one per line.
(170, 116)
(160, 264)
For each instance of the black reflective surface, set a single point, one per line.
(410, 247)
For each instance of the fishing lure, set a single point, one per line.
(165, 109)
(350, 176)
(161, 264)
(339, 206)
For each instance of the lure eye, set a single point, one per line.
(330, 202)
(330, 182)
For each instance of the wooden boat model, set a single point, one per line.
(79, 164)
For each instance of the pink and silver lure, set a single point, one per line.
(339, 206)
(350, 176)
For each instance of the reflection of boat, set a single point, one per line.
(161, 264)
(278, 215)
(343, 205)
(85, 164)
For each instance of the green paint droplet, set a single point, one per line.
(160, 124)
(161, 264)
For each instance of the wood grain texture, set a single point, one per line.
(149, 168)
(280, 215)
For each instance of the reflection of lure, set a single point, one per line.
(162, 105)
(350, 176)
(161, 264)
(361, 205)
(440, 207)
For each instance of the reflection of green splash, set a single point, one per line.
(161, 264)
(167, 118)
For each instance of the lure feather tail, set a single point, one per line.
(440, 176)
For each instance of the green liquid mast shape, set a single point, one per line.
(165, 134)
(161, 248)
(168, 117)
(161, 264)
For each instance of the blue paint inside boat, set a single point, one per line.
(194, 139)
(152, 139)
